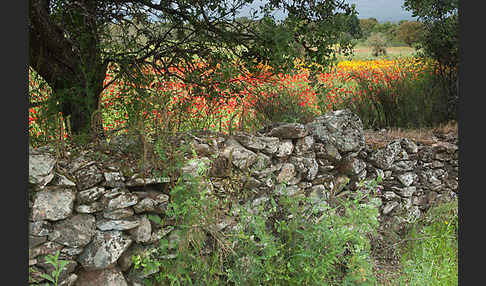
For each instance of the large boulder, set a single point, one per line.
(41, 168)
(53, 205)
(341, 128)
(106, 277)
(104, 250)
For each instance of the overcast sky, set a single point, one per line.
(382, 10)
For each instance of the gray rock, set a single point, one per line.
(403, 166)
(138, 180)
(106, 277)
(306, 166)
(389, 207)
(41, 169)
(340, 128)
(36, 241)
(124, 200)
(88, 177)
(271, 145)
(406, 178)
(114, 179)
(118, 213)
(145, 205)
(304, 145)
(90, 208)
(249, 141)
(69, 281)
(119, 224)
(104, 250)
(285, 148)
(290, 191)
(143, 232)
(287, 173)
(406, 192)
(409, 145)
(328, 152)
(289, 131)
(45, 249)
(352, 166)
(53, 205)
(90, 195)
(319, 196)
(240, 157)
(76, 231)
(40, 228)
(384, 158)
(390, 196)
(63, 181)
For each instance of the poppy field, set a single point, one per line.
(173, 105)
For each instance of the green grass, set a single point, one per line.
(364, 52)
(430, 254)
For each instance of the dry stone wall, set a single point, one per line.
(96, 214)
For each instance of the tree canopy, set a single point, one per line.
(72, 42)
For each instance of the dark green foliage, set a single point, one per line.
(410, 32)
(441, 40)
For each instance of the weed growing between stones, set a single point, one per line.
(58, 265)
(284, 240)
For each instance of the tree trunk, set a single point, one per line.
(73, 67)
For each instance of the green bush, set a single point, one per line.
(283, 242)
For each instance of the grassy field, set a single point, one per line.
(362, 52)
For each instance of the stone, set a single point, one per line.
(90, 195)
(285, 148)
(40, 228)
(290, 191)
(403, 166)
(306, 166)
(53, 205)
(76, 231)
(271, 145)
(90, 208)
(409, 145)
(390, 196)
(36, 240)
(389, 207)
(145, 205)
(319, 196)
(340, 128)
(41, 168)
(63, 181)
(406, 178)
(118, 213)
(196, 167)
(289, 131)
(240, 157)
(384, 158)
(143, 232)
(45, 249)
(88, 177)
(138, 180)
(104, 250)
(106, 277)
(114, 179)
(304, 145)
(287, 172)
(328, 152)
(406, 192)
(249, 141)
(69, 281)
(119, 224)
(124, 200)
(352, 166)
